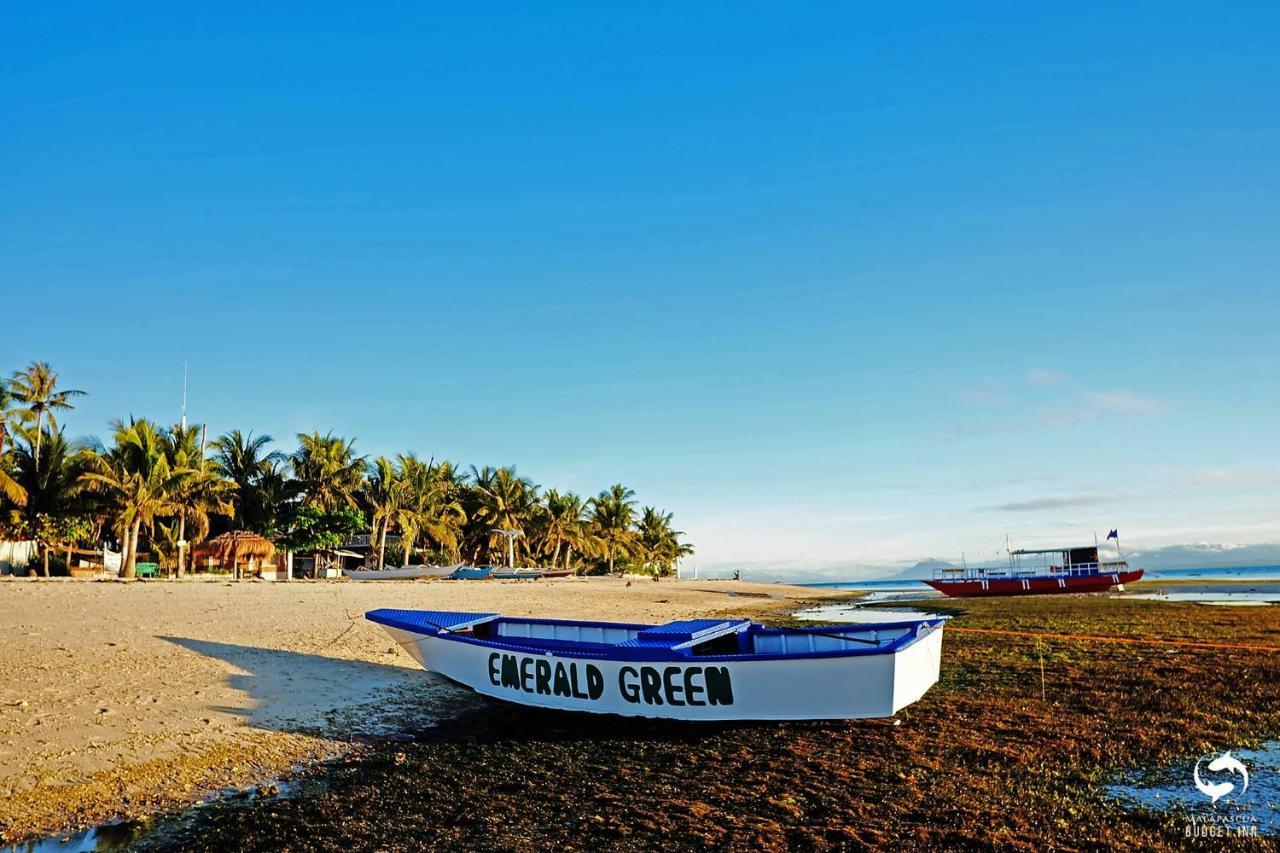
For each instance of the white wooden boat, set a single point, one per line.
(520, 573)
(400, 573)
(695, 669)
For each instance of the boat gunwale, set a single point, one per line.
(668, 654)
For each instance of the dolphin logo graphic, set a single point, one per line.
(1218, 790)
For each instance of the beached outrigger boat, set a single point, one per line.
(695, 669)
(472, 573)
(401, 573)
(518, 574)
(1039, 571)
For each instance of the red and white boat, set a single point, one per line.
(1039, 571)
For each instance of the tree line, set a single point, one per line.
(163, 490)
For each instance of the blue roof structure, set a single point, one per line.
(426, 621)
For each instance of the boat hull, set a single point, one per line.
(471, 574)
(516, 574)
(712, 688)
(975, 588)
(409, 573)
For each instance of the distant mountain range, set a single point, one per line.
(1206, 555)
(924, 569)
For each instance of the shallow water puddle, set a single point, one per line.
(110, 836)
(122, 835)
(1238, 599)
(852, 613)
(1239, 808)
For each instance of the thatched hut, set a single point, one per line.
(231, 548)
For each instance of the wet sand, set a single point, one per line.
(123, 699)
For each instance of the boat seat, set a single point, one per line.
(684, 634)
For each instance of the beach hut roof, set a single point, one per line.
(239, 544)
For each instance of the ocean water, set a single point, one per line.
(1257, 573)
(1231, 573)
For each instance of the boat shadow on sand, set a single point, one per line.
(309, 693)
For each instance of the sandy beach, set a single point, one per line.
(123, 699)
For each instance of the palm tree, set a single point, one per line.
(275, 493)
(428, 506)
(507, 504)
(36, 389)
(328, 471)
(658, 543)
(612, 513)
(138, 478)
(9, 487)
(53, 511)
(563, 525)
(201, 493)
(383, 491)
(244, 460)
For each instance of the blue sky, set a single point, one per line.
(841, 285)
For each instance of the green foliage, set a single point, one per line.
(612, 513)
(36, 391)
(53, 509)
(154, 487)
(313, 529)
(262, 489)
(328, 470)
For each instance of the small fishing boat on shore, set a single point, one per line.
(558, 573)
(472, 573)
(1038, 571)
(692, 669)
(517, 574)
(401, 573)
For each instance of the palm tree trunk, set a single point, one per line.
(406, 542)
(124, 550)
(382, 544)
(39, 419)
(131, 557)
(182, 541)
(555, 555)
(45, 547)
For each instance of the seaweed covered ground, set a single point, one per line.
(997, 755)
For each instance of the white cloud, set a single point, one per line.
(1047, 376)
(1053, 503)
(1092, 406)
(988, 392)
(1124, 403)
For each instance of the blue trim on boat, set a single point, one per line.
(655, 650)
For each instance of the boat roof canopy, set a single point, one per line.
(1054, 550)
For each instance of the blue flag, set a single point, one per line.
(1115, 534)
